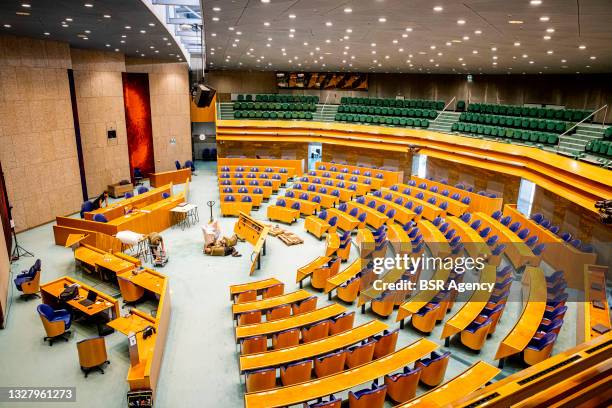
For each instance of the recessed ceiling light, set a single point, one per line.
(65, 25)
(85, 38)
(433, 47)
(267, 24)
(348, 10)
(88, 5)
(87, 32)
(593, 57)
(22, 13)
(116, 49)
(547, 37)
(466, 37)
(382, 20)
(582, 47)
(478, 32)
(550, 30)
(107, 16)
(517, 44)
(460, 22)
(544, 18)
(550, 52)
(535, 2)
(531, 62)
(329, 24)
(404, 35)
(291, 16)
(122, 41)
(215, 19)
(495, 57)
(26, 5)
(143, 32)
(475, 52)
(327, 41)
(47, 33)
(438, 8)
(265, 1)
(448, 43)
(563, 61)
(401, 50)
(7, 26)
(213, 34)
(373, 45)
(151, 24)
(217, 9)
(169, 44)
(394, 41)
(291, 35)
(128, 27)
(515, 21)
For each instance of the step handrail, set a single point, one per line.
(448, 104)
(324, 105)
(592, 113)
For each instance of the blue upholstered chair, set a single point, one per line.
(498, 250)
(466, 200)
(418, 210)
(129, 194)
(55, 322)
(165, 194)
(142, 190)
(475, 225)
(531, 241)
(492, 240)
(497, 215)
(373, 397)
(246, 199)
(100, 218)
(28, 282)
(466, 217)
(522, 234)
(229, 198)
(407, 191)
(506, 220)
(455, 196)
(484, 232)
(177, 164)
(87, 206)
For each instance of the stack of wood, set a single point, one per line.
(288, 237)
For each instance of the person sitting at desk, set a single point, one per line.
(102, 199)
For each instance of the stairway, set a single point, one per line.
(444, 121)
(325, 113)
(573, 144)
(226, 110)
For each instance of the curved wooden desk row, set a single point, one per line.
(558, 253)
(359, 189)
(257, 286)
(473, 243)
(430, 211)
(343, 276)
(584, 369)
(402, 214)
(593, 311)
(374, 218)
(274, 184)
(478, 202)
(311, 390)
(282, 177)
(534, 305)
(434, 239)
(390, 177)
(455, 207)
(576, 181)
(275, 326)
(344, 193)
(373, 182)
(420, 299)
(294, 167)
(275, 358)
(166, 177)
(470, 380)
(271, 302)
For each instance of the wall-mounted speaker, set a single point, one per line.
(203, 95)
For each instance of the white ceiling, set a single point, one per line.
(435, 42)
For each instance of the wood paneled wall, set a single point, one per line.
(369, 157)
(275, 150)
(5, 268)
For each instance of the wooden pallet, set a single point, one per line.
(290, 238)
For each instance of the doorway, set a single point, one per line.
(315, 155)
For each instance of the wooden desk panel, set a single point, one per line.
(430, 211)
(307, 270)
(472, 307)
(311, 390)
(167, 177)
(454, 207)
(470, 380)
(371, 293)
(345, 193)
(327, 200)
(589, 315)
(256, 199)
(375, 183)
(134, 322)
(275, 326)
(97, 258)
(473, 243)
(558, 254)
(373, 217)
(269, 303)
(306, 207)
(516, 250)
(266, 190)
(147, 279)
(275, 184)
(389, 177)
(280, 177)
(346, 222)
(338, 279)
(117, 209)
(402, 214)
(255, 285)
(534, 301)
(434, 239)
(294, 167)
(360, 189)
(400, 241)
(275, 358)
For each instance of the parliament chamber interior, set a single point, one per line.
(317, 204)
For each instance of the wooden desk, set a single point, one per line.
(256, 286)
(471, 308)
(430, 211)
(117, 209)
(338, 279)
(534, 304)
(294, 167)
(332, 244)
(434, 239)
(365, 242)
(256, 199)
(50, 292)
(372, 293)
(478, 203)
(175, 177)
(346, 222)
(269, 303)
(134, 322)
(280, 177)
(402, 214)
(516, 250)
(415, 303)
(470, 380)
(97, 258)
(555, 376)
(306, 207)
(275, 358)
(389, 177)
(454, 207)
(327, 200)
(360, 189)
(589, 315)
(373, 217)
(275, 184)
(307, 270)
(147, 279)
(311, 390)
(473, 243)
(252, 169)
(275, 326)
(399, 239)
(558, 253)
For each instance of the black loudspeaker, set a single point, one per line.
(203, 95)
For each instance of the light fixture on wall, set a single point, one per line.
(202, 137)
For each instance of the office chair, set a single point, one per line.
(92, 355)
(28, 282)
(55, 322)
